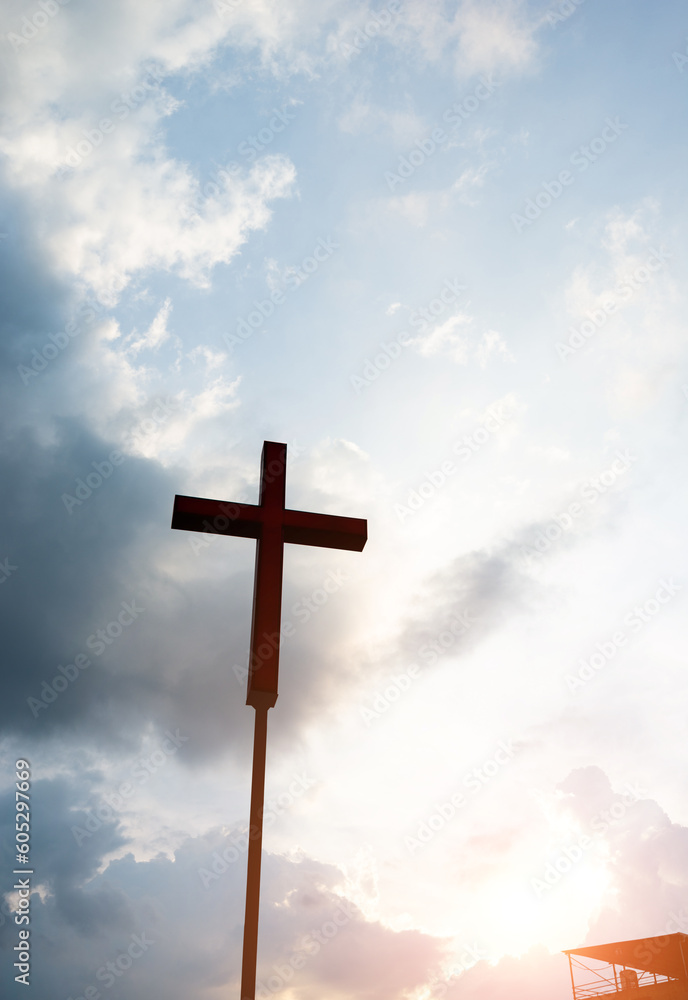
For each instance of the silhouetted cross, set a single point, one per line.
(271, 524)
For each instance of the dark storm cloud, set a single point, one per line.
(74, 917)
(189, 913)
(78, 558)
(73, 570)
(97, 640)
(52, 843)
(63, 865)
(30, 297)
(474, 594)
(464, 601)
(80, 536)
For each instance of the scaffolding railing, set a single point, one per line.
(607, 980)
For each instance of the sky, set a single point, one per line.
(438, 249)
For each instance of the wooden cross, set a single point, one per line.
(271, 524)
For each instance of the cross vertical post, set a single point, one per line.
(271, 524)
(249, 959)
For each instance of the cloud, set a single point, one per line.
(135, 407)
(156, 224)
(188, 909)
(111, 199)
(494, 35)
(629, 880)
(49, 610)
(620, 301)
(483, 37)
(538, 974)
(89, 535)
(415, 207)
(157, 333)
(471, 177)
(487, 585)
(457, 338)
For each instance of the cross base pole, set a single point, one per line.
(255, 846)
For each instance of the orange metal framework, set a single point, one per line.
(660, 964)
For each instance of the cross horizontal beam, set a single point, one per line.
(246, 520)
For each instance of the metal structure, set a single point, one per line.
(654, 968)
(271, 524)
